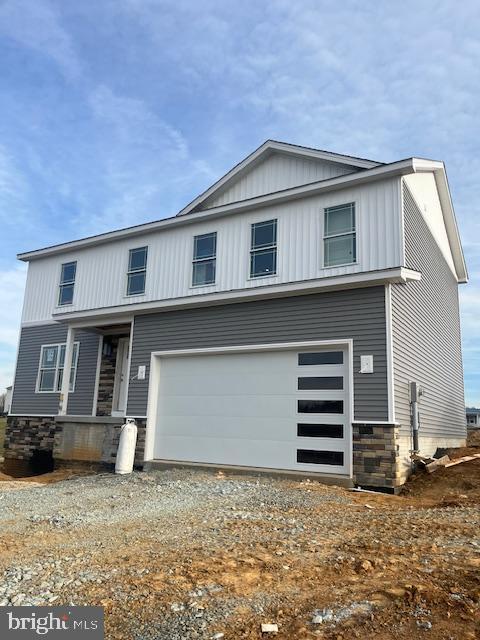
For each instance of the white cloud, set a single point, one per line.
(12, 285)
(143, 161)
(37, 26)
(14, 192)
(191, 89)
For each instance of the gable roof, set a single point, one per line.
(263, 152)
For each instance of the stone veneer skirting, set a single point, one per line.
(376, 455)
(68, 441)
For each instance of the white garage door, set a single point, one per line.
(276, 409)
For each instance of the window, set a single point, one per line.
(263, 252)
(137, 271)
(204, 259)
(339, 241)
(50, 372)
(323, 357)
(67, 283)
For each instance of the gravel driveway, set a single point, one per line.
(182, 554)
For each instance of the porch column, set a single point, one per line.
(67, 365)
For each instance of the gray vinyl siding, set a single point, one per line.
(25, 401)
(80, 402)
(426, 334)
(358, 314)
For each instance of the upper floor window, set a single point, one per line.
(263, 249)
(339, 239)
(50, 370)
(137, 271)
(67, 283)
(204, 259)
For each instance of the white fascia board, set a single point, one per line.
(340, 182)
(318, 154)
(451, 225)
(350, 281)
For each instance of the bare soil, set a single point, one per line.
(187, 555)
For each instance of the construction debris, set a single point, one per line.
(460, 460)
(269, 628)
(437, 463)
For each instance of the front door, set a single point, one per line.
(121, 378)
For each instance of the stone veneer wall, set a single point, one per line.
(26, 435)
(376, 455)
(106, 379)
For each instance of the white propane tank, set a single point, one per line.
(126, 447)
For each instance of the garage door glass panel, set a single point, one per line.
(320, 430)
(310, 456)
(321, 357)
(315, 383)
(320, 406)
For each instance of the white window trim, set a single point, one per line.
(57, 368)
(274, 274)
(339, 235)
(61, 284)
(198, 260)
(135, 271)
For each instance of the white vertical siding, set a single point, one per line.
(101, 270)
(278, 171)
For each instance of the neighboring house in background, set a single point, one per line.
(8, 400)
(473, 417)
(275, 323)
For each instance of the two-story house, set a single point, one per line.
(274, 323)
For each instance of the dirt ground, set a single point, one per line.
(193, 555)
(3, 422)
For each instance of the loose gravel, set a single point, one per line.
(183, 555)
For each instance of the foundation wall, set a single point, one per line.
(427, 447)
(93, 442)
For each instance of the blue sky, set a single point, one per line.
(115, 112)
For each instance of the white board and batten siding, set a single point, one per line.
(101, 270)
(274, 173)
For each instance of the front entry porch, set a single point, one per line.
(110, 372)
(112, 375)
(92, 406)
